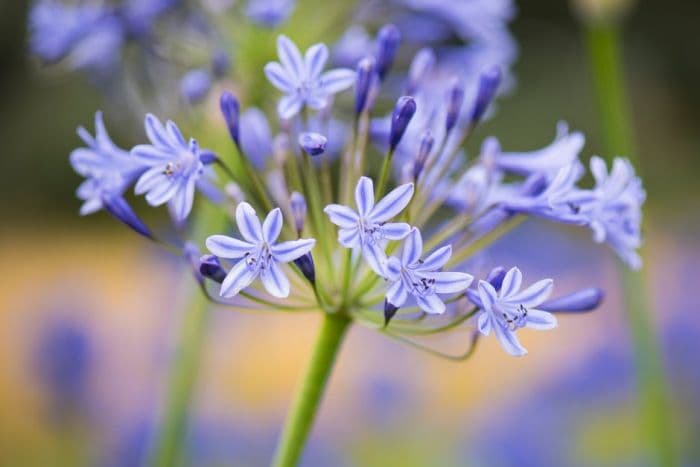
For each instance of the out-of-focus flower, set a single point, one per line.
(195, 85)
(302, 80)
(269, 13)
(259, 255)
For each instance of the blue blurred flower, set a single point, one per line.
(195, 85)
(269, 13)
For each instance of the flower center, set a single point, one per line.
(512, 317)
(260, 259)
(418, 286)
(370, 231)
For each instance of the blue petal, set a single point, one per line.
(337, 80)
(289, 106)
(174, 133)
(393, 203)
(431, 304)
(342, 216)
(228, 247)
(511, 283)
(509, 341)
(275, 281)
(395, 230)
(397, 293)
(484, 323)
(248, 223)
(487, 294)
(284, 252)
(540, 320)
(533, 295)
(412, 248)
(364, 196)
(451, 282)
(149, 180)
(279, 79)
(315, 59)
(237, 279)
(349, 237)
(150, 154)
(375, 258)
(393, 270)
(272, 226)
(156, 132)
(290, 58)
(163, 191)
(182, 200)
(437, 259)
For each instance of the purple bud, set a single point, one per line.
(220, 63)
(496, 276)
(403, 113)
(119, 208)
(426, 146)
(297, 204)
(583, 300)
(421, 65)
(389, 311)
(305, 264)
(210, 267)
(207, 157)
(455, 99)
(231, 110)
(488, 84)
(363, 83)
(388, 39)
(195, 85)
(313, 144)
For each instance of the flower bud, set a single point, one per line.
(220, 63)
(488, 85)
(297, 204)
(195, 85)
(210, 267)
(305, 263)
(426, 146)
(313, 144)
(388, 40)
(583, 300)
(389, 311)
(421, 65)
(363, 83)
(230, 109)
(455, 98)
(403, 113)
(496, 276)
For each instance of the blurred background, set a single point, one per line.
(89, 312)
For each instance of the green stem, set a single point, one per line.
(308, 396)
(606, 66)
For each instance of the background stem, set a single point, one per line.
(308, 395)
(606, 66)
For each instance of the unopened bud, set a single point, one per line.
(297, 204)
(388, 39)
(403, 113)
(314, 144)
(488, 85)
(230, 109)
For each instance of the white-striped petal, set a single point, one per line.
(511, 282)
(395, 230)
(393, 203)
(315, 59)
(533, 295)
(349, 237)
(228, 247)
(375, 258)
(437, 259)
(237, 279)
(431, 304)
(279, 79)
(272, 226)
(364, 196)
(540, 320)
(342, 216)
(248, 223)
(337, 80)
(290, 105)
(509, 341)
(275, 281)
(290, 57)
(412, 247)
(397, 293)
(284, 252)
(451, 282)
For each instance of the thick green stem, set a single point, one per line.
(606, 66)
(308, 396)
(168, 450)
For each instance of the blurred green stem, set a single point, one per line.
(169, 448)
(606, 66)
(310, 391)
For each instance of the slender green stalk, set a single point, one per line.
(309, 393)
(607, 73)
(168, 449)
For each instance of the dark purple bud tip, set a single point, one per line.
(426, 146)
(314, 144)
(231, 111)
(363, 83)
(388, 39)
(389, 311)
(582, 300)
(120, 209)
(488, 85)
(305, 264)
(207, 157)
(403, 113)
(455, 98)
(210, 267)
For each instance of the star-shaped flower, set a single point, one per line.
(368, 228)
(301, 79)
(422, 279)
(175, 169)
(259, 254)
(510, 309)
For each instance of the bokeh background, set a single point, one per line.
(89, 312)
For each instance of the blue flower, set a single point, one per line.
(256, 137)
(410, 275)
(259, 254)
(175, 168)
(615, 215)
(108, 168)
(195, 85)
(368, 228)
(301, 79)
(510, 309)
(269, 13)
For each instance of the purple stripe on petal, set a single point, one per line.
(289, 106)
(284, 252)
(237, 279)
(395, 230)
(412, 248)
(291, 58)
(248, 223)
(337, 80)
(451, 282)
(509, 341)
(533, 295)
(315, 59)
(272, 225)
(437, 259)
(393, 203)
(228, 247)
(279, 79)
(364, 196)
(511, 282)
(431, 304)
(275, 281)
(341, 216)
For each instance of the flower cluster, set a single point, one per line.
(372, 217)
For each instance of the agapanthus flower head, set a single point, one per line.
(259, 254)
(302, 78)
